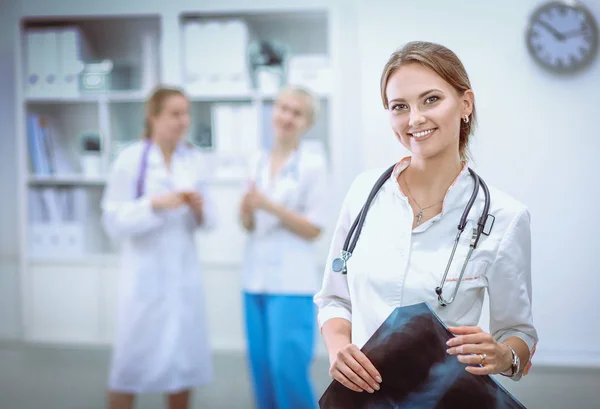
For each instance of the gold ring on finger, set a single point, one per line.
(482, 356)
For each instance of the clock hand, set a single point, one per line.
(574, 33)
(557, 34)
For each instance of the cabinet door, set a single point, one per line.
(9, 300)
(65, 303)
(110, 277)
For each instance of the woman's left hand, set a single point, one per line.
(195, 201)
(474, 347)
(258, 200)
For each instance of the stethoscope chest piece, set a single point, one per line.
(339, 264)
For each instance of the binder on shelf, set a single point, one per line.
(46, 154)
(56, 222)
(50, 67)
(73, 50)
(149, 73)
(213, 71)
(235, 137)
(311, 71)
(34, 63)
(40, 144)
(53, 61)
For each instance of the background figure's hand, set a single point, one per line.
(254, 199)
(471, 344)
(194, 200)
(170, 200)
(246, 204)
(352, 368)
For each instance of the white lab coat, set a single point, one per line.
(276, 260)
(394, 265)
(161, 342)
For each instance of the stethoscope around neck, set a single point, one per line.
(339, 265)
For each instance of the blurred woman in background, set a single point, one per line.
(284, 211)
(156, 197)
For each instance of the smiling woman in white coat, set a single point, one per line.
(410, 229)
(284, 211)
(156, 197)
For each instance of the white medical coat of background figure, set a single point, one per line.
(161, 342)
(278, 261)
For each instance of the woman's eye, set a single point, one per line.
(399, 107)
(431, 100)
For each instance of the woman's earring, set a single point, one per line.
(466, 119)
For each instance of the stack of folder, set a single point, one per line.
(53, 60)
(215, 57)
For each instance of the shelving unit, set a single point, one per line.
(85, 279)
(68, 110)
(68, 263)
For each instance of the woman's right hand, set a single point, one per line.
(170, 200)
(352, 368)
(246, 204)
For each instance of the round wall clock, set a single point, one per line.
(562, 36)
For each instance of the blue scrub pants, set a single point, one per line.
(281, 335)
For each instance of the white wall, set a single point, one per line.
(537, 140)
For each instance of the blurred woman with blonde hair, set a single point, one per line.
(284, 211)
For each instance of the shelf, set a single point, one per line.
(100, 181)
(66, 180)
(62, 100)
(99, 260)
(115, 96)
(127, 96)
(272, 95)
(243, 97)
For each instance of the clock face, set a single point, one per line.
(562, 37)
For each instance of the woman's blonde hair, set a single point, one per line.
(154, 105)
(445, 64)
(312, 102)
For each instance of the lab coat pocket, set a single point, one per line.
(473, 277)
(476, 265)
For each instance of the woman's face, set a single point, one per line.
(290, 116)
(172, 122)
(426, 111)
